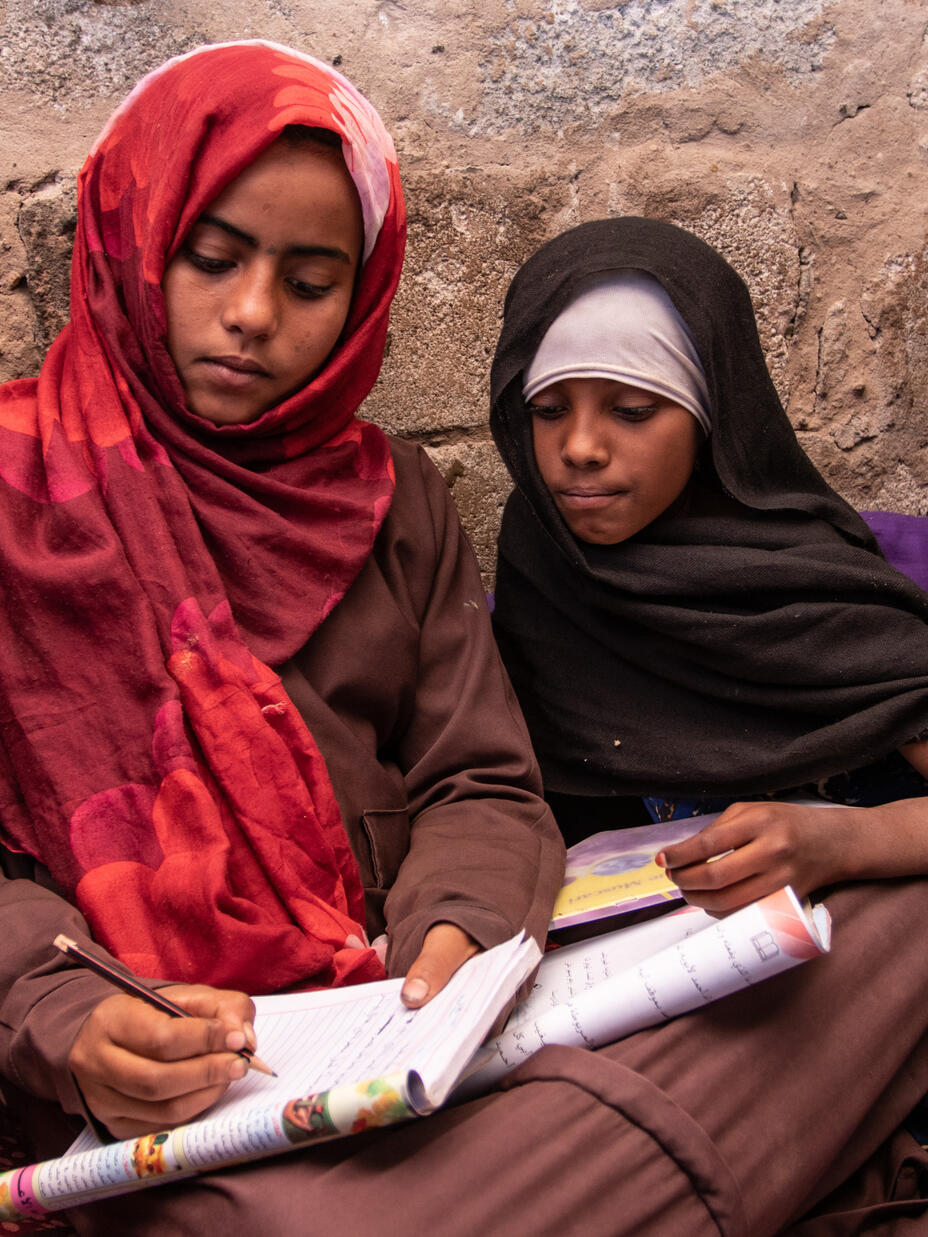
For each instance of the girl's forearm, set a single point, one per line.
(886, 841)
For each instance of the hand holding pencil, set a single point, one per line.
(139, 1070)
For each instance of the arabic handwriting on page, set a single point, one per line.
(757, 941)
(567, 972)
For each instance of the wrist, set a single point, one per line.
(885, 841)
(851, 856)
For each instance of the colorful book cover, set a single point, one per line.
(614, 873)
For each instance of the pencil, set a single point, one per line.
(135, 987)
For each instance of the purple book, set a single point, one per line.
(614, 874)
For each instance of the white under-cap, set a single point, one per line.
(623, 326)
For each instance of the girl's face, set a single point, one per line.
(258, 293)
(613, 456)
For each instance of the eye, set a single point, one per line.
(547, 412)
(308, 291)
(212, 266)
(636, 412)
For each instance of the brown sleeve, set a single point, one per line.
(45, 999)
(484, 850)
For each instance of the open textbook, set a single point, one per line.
(351, 1059)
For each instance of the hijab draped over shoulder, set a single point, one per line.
(750, 639)
(156, 565)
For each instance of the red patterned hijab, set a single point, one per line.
(156, 565)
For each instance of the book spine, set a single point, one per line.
(201, 1146)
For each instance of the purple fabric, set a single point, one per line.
(904, 541)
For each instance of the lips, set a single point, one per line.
(234, 370)
(239, 364)
(584, 499)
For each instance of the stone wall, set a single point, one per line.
(791, 134)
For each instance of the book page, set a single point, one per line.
(317, 1040)
(568, 971)
(746, 947)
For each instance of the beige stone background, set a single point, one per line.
(791, 134)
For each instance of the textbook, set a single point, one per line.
(347, 1059)
(353, 1059)
(613, 874)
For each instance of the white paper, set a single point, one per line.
(315, 1040)
(572, 969)
(726, 955)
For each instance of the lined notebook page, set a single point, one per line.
(317, 1039)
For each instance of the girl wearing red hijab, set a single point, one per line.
(250, 718)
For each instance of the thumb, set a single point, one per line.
(444, 949)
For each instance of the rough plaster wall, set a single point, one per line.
(792, 134)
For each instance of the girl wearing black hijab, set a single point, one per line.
(689, 613)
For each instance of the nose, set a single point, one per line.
(250, 307)
(584, 444)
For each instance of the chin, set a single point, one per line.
(598, 534)
(225, 414)
(603, 538)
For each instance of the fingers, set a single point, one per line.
(731, 829)
(233, 1012)
(742, 856)
(140, 1069)
(756, 848)
(733, 867)
(127, 1113)
(732, 897)
(444, 949)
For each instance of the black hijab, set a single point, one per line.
(752, 638)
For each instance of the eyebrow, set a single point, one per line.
(302, 251)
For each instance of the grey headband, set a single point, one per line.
(623, 326)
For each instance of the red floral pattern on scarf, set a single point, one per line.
(157, 565)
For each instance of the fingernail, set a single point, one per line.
(660, 859)
(250, 1038)
(415, 991)
(238, 1068)
(236, 1041)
